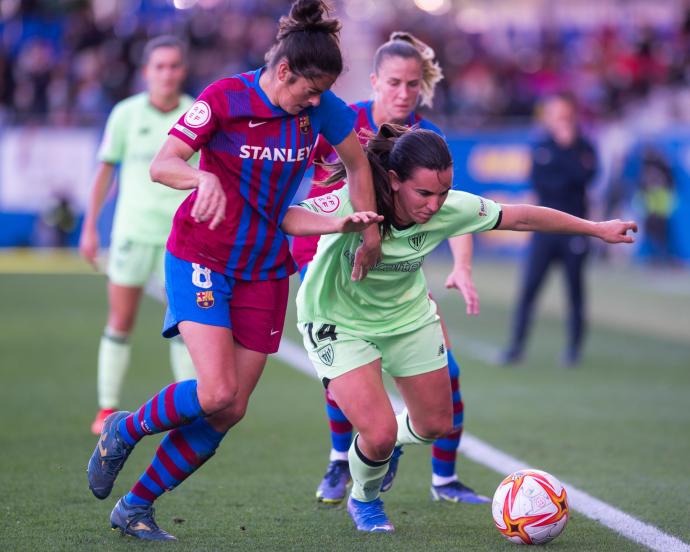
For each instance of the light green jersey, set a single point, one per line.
(134, 133)
(393, 298)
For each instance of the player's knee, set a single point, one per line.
(121, 322)
(230, 416)
(381, 440)
(217, 398)
(435, 427)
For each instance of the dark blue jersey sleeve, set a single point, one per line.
(334, 118)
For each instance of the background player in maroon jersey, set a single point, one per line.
(405, 75)
(228, 262)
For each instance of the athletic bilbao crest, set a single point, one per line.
(417, 241)
(304, 124)
(204, 299)
(327, 355)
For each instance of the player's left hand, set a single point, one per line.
(616, 231)
(356, 222)
(210, 200)
(461, 279)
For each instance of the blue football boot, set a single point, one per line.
(108, 457)
(333, 487)
(387, 482)
(369, 516)
(455, 491)
(137, 521)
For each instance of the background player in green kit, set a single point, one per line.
(136, 129)
(354, 330)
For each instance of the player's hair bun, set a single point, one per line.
(308, 39)
(308, 16)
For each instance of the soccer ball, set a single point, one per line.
(530, 507)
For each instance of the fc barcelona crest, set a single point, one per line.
(204, 299)
(417, 241)
(327, 355)
(304, 124)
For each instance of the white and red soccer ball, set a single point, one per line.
(530, 507)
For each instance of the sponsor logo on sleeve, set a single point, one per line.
(328, 203)
(482, 208)
(198, 115)
(185, 130)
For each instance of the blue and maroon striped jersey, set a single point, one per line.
(304, 247)
(259, 152)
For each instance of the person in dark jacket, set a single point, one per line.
(563, 166)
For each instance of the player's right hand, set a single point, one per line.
(367, 256)
(616, 231)
(210, 200)
(358, 221)
(88, 246)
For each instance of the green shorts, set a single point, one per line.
(132, 263)
(334, 351)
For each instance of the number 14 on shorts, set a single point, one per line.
(325, 333)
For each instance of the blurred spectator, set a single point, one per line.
(70, 62)
(657, 198)
(56, 224)
(563, 166)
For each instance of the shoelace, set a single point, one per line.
(114, 461)
(334, 472)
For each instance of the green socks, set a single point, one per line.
(113, 361)
(367, 475)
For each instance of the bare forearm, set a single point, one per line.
(101, 184)
(362, 197)
(174, 172)
(299, 221)
(461, 248)
(544, 219)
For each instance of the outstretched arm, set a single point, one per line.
(460, 277)
(544, 219)
(299, 221)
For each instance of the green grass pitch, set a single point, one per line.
(618, 427)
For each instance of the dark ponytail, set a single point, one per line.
(402, 150)
(308, 40)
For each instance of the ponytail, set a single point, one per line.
(402, 150)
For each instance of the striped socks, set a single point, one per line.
(341, 429)
(175, 405)
(181, 452)
(444, 451)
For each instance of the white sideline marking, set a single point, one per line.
(482, 453)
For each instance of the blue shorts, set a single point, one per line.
(253, 310)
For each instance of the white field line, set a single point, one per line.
(483, 453)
